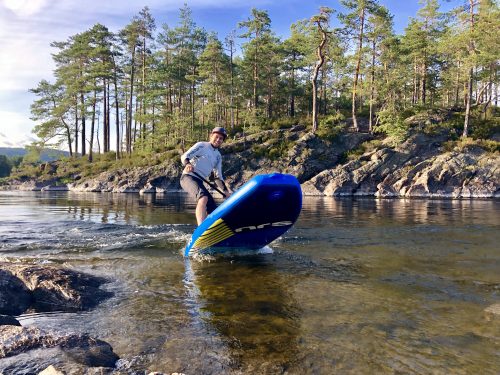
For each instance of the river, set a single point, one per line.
(356, 286)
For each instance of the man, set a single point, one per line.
(199, 162)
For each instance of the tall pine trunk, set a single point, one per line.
(358, 68)
(83, 135)
(314, 79)
(372, 86)
(92, 126)
(470, 77)
(130, 99)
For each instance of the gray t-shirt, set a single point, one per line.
(204, 159)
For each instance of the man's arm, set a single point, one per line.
(191, 153)
(222, 186)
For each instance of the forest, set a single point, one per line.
(152, 87)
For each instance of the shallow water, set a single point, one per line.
(357, 285)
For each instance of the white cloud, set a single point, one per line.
(15, 129)
(24, 8)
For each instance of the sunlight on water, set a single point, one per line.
(357, 286)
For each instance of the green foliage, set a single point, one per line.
(284, 123)
(484, 129)
(462, 145)
(330, 127)
(363, 148)
(392, 124)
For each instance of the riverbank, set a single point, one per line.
(427, 164)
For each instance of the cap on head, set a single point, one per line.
(219, 130)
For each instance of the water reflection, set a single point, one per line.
(250, 305)
(405, 211)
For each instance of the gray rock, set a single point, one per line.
(58, 289)
(81, 349)
(15, 297)
(417, 168)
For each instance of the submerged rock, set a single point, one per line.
(18, 342)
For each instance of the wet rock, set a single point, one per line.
(15, 297)
(57, 289)
(7, 320)
(23, 343)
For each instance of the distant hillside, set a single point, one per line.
(47, 155)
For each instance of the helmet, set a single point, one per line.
(219, 130)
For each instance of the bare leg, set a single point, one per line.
(201, 209)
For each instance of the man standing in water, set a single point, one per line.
(199, 162)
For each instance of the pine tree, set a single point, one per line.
(355, 23)
(321, 21)
(258, 28)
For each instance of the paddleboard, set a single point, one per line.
(259, 212)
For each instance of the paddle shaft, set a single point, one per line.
(213, 186)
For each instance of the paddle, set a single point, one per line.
(213, 186)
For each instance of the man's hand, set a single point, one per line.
(188, 168)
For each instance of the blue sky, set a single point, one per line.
(27, 27)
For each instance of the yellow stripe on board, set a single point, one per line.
(214, 239)
(214, 234)
(215, 226)
(217, 232)
(213, 242)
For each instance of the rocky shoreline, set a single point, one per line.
(26, 288)
(32, 288)
(421, 167)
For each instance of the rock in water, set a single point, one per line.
(59, 289)
(15, 297)
(81, 349)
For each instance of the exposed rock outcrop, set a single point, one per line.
(418, 168)
(47, 288)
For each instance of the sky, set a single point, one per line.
(27, 27)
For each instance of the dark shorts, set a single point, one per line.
(195, 188)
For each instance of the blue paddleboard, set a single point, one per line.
(259, 212)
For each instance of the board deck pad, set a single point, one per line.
(259, 212)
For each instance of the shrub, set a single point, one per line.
(392, 123)
(284, 123)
